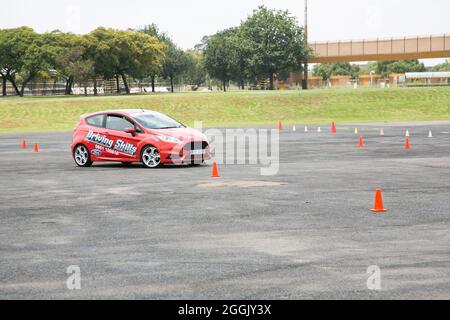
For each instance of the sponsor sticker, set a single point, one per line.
(113, 147)
(99, 139)
(125, 147)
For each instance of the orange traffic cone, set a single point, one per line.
(361, 142)
(333, 128)
(280, 126)
(407, 146)
(379, 207)
(36, 148)
(215, 170)
(24, 144)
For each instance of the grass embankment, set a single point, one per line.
(236, 108)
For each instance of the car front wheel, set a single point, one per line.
(197, 163)
(151, 157)
(81, 156)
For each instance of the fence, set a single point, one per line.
(109, 87)
(104, 87)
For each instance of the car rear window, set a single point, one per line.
(96, 121)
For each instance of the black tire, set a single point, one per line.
(196, 163)
(81, 156)
(150, 157)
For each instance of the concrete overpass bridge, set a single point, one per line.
(407, 48)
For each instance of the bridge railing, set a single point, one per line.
(435, 46)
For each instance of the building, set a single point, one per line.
(368, 80)
(428, 78)
(340, 81)
(396, 79)
(315, 82)
(295, 81)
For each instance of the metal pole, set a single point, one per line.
(305, 76)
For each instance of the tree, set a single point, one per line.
(121, 53)
(76, 67)
(195, 73)
(153, 30)
(97, 51)
(335, 69)
(242, 51)
(175, 64)
(38, 57)
(221, 55)
(277, 43)
(369, 68)
(156, 70)
(71, 61)
(14, 44)
(386, 68)
(148, 55)
(443, 67)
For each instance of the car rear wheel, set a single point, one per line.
(81, 156)
(151, 157)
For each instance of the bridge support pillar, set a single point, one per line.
(305, 77)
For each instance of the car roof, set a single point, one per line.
(127, 112)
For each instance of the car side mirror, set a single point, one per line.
(131, 131)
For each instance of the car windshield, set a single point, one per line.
(157, 121)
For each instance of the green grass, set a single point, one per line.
(237, 108)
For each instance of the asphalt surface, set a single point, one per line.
(176, 233)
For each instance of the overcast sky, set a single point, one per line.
(188, 21)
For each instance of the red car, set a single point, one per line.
(129, 136)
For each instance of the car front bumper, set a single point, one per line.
(195, 152)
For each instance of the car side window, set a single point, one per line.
(96, 121)
(118, 123)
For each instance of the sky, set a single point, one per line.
(188, 21)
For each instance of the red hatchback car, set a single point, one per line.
(129, 136)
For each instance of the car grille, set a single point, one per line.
(196, 145)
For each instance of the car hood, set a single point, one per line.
(182, 134)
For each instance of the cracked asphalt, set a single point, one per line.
(176, 233)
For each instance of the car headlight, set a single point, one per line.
(168, 139)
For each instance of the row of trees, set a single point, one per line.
(384, 68)
(26, 55)
(267, 45)
(443, 67)
(104, 53)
